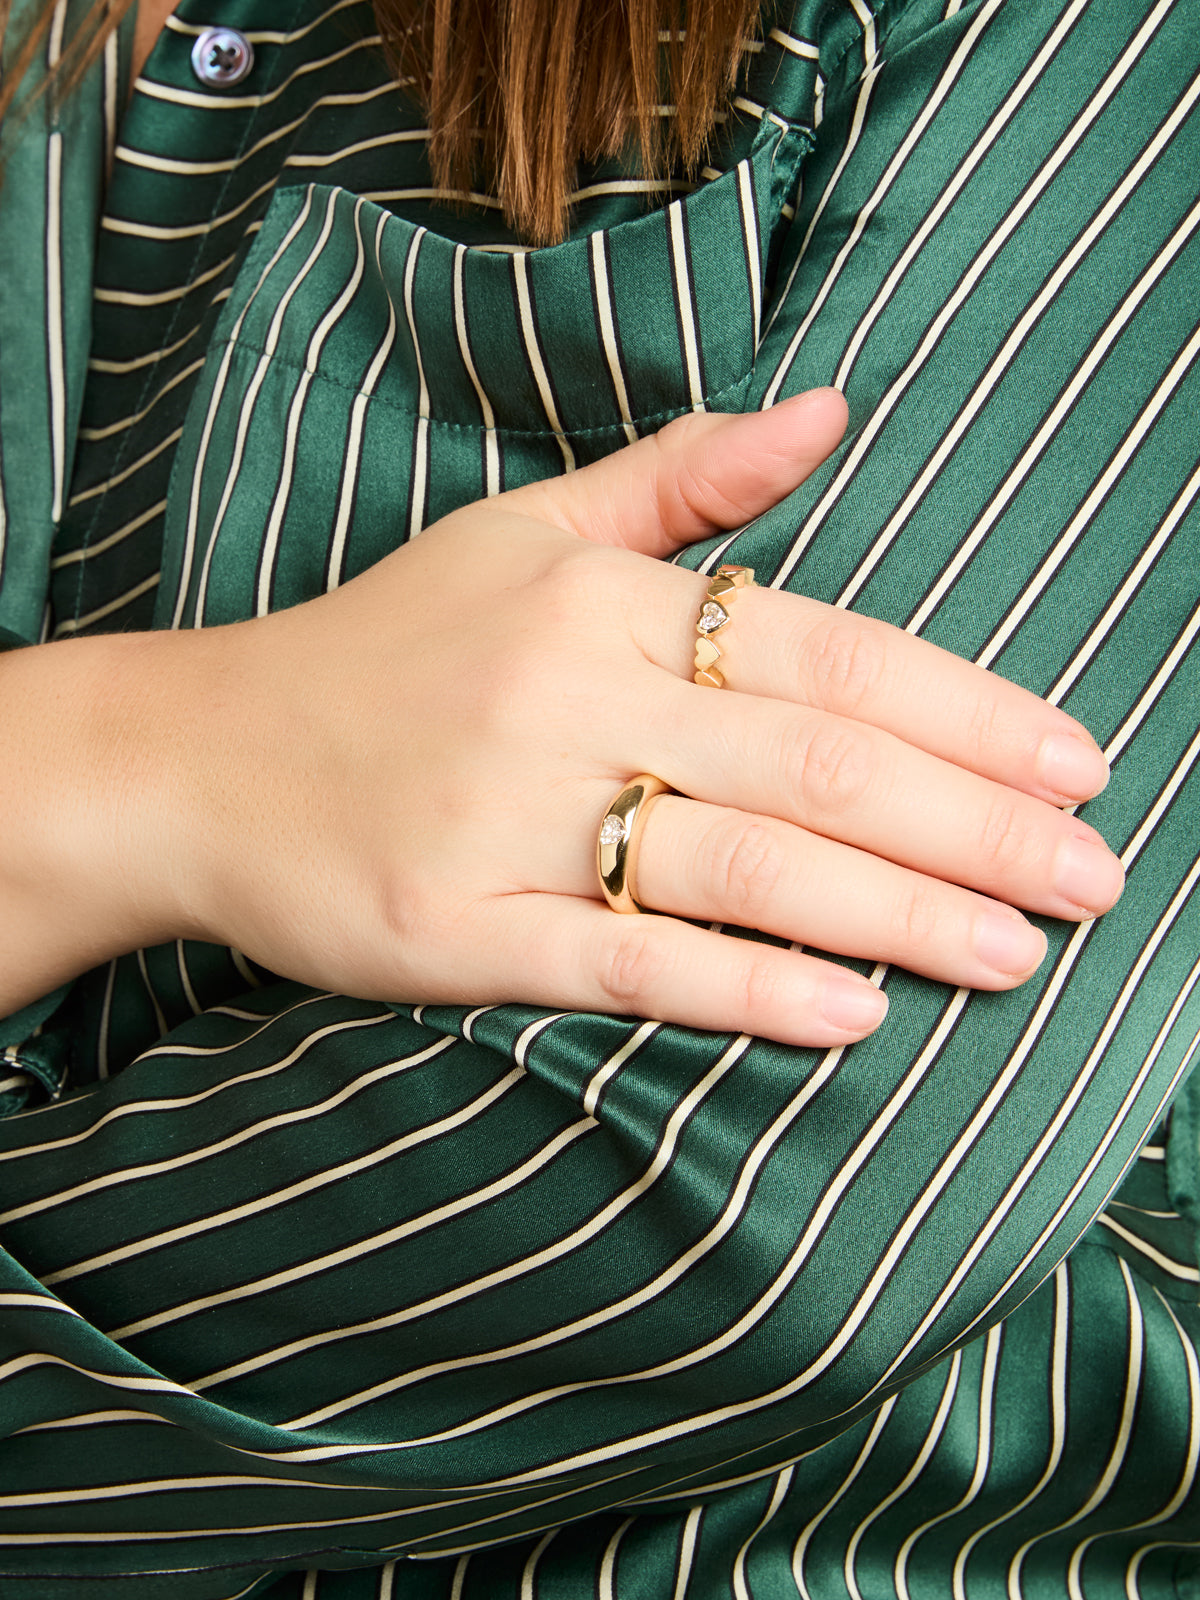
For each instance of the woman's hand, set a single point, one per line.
(409, 773)
(394, 790)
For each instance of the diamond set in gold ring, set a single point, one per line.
(714, 615)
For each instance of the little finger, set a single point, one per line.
(572, 953)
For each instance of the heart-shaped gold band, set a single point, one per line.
(714, 615)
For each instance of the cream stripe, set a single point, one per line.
(55, 359)
(97, 364)
(191, 230)
(606, 1587)
(76, 624)
(150, 162)
(111, 91)
(1135, 1347)
(607, 1070)
(805, 1537)
(115, 538)
(133, 1108)
(358, 413)
(460, 1577)
(38, 1302)
(121, 477)
(161, 297)
(750, 237)
(1108, 617)
(360, 1247)
(243, 102)
(533, 352)
(266, 35)
(608, 331)
(491, 448)
(185, 978)
(683, 301)
(882, 1272)
(1117, 1122)
(420, 472)
(88, 1419)
(928, 1445)
(79, 1493)
(797, 47)
(530, 1567)
(687, 1552)
(379, 142)
(983, 1452)
(125, 423)
(189, 546)
(963, 173)
(1058, 1429)
(857, 123)
(741, 1589)
(1145, 705)
(1168, 1264)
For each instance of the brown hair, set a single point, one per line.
(79, 51)
(521, 89)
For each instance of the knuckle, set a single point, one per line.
(745, 863)
(758, 990)
(983, 732)
(1004, 845)
(830, 764)
(917, 918)
(849, 664)
(566, 585)
(632, 966)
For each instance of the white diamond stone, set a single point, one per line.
(612, 830)
(712, 617)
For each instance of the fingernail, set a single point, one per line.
(1087, 875)
(1008, 944)
(853, 1005)
(1071, 767)
(806, 397)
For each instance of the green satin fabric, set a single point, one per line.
(477, 1303)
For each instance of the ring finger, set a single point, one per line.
(721, 865)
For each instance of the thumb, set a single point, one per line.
(702, 472)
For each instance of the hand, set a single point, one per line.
(394, 790)
(400, 795)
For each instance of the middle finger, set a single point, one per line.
(859, 785)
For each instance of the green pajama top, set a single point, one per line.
(306, 1296)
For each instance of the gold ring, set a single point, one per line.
(714, 614)
(619, 837)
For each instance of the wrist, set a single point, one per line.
(94, 813)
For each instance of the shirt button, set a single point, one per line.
(222, 57)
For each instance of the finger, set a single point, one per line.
(859, 785)
(728, 866)
(790, 648)
(563, 952)
(701, 472)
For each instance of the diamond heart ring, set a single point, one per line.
(619, 837)
(714, 614)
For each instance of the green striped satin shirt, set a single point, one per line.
(316, 1299)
